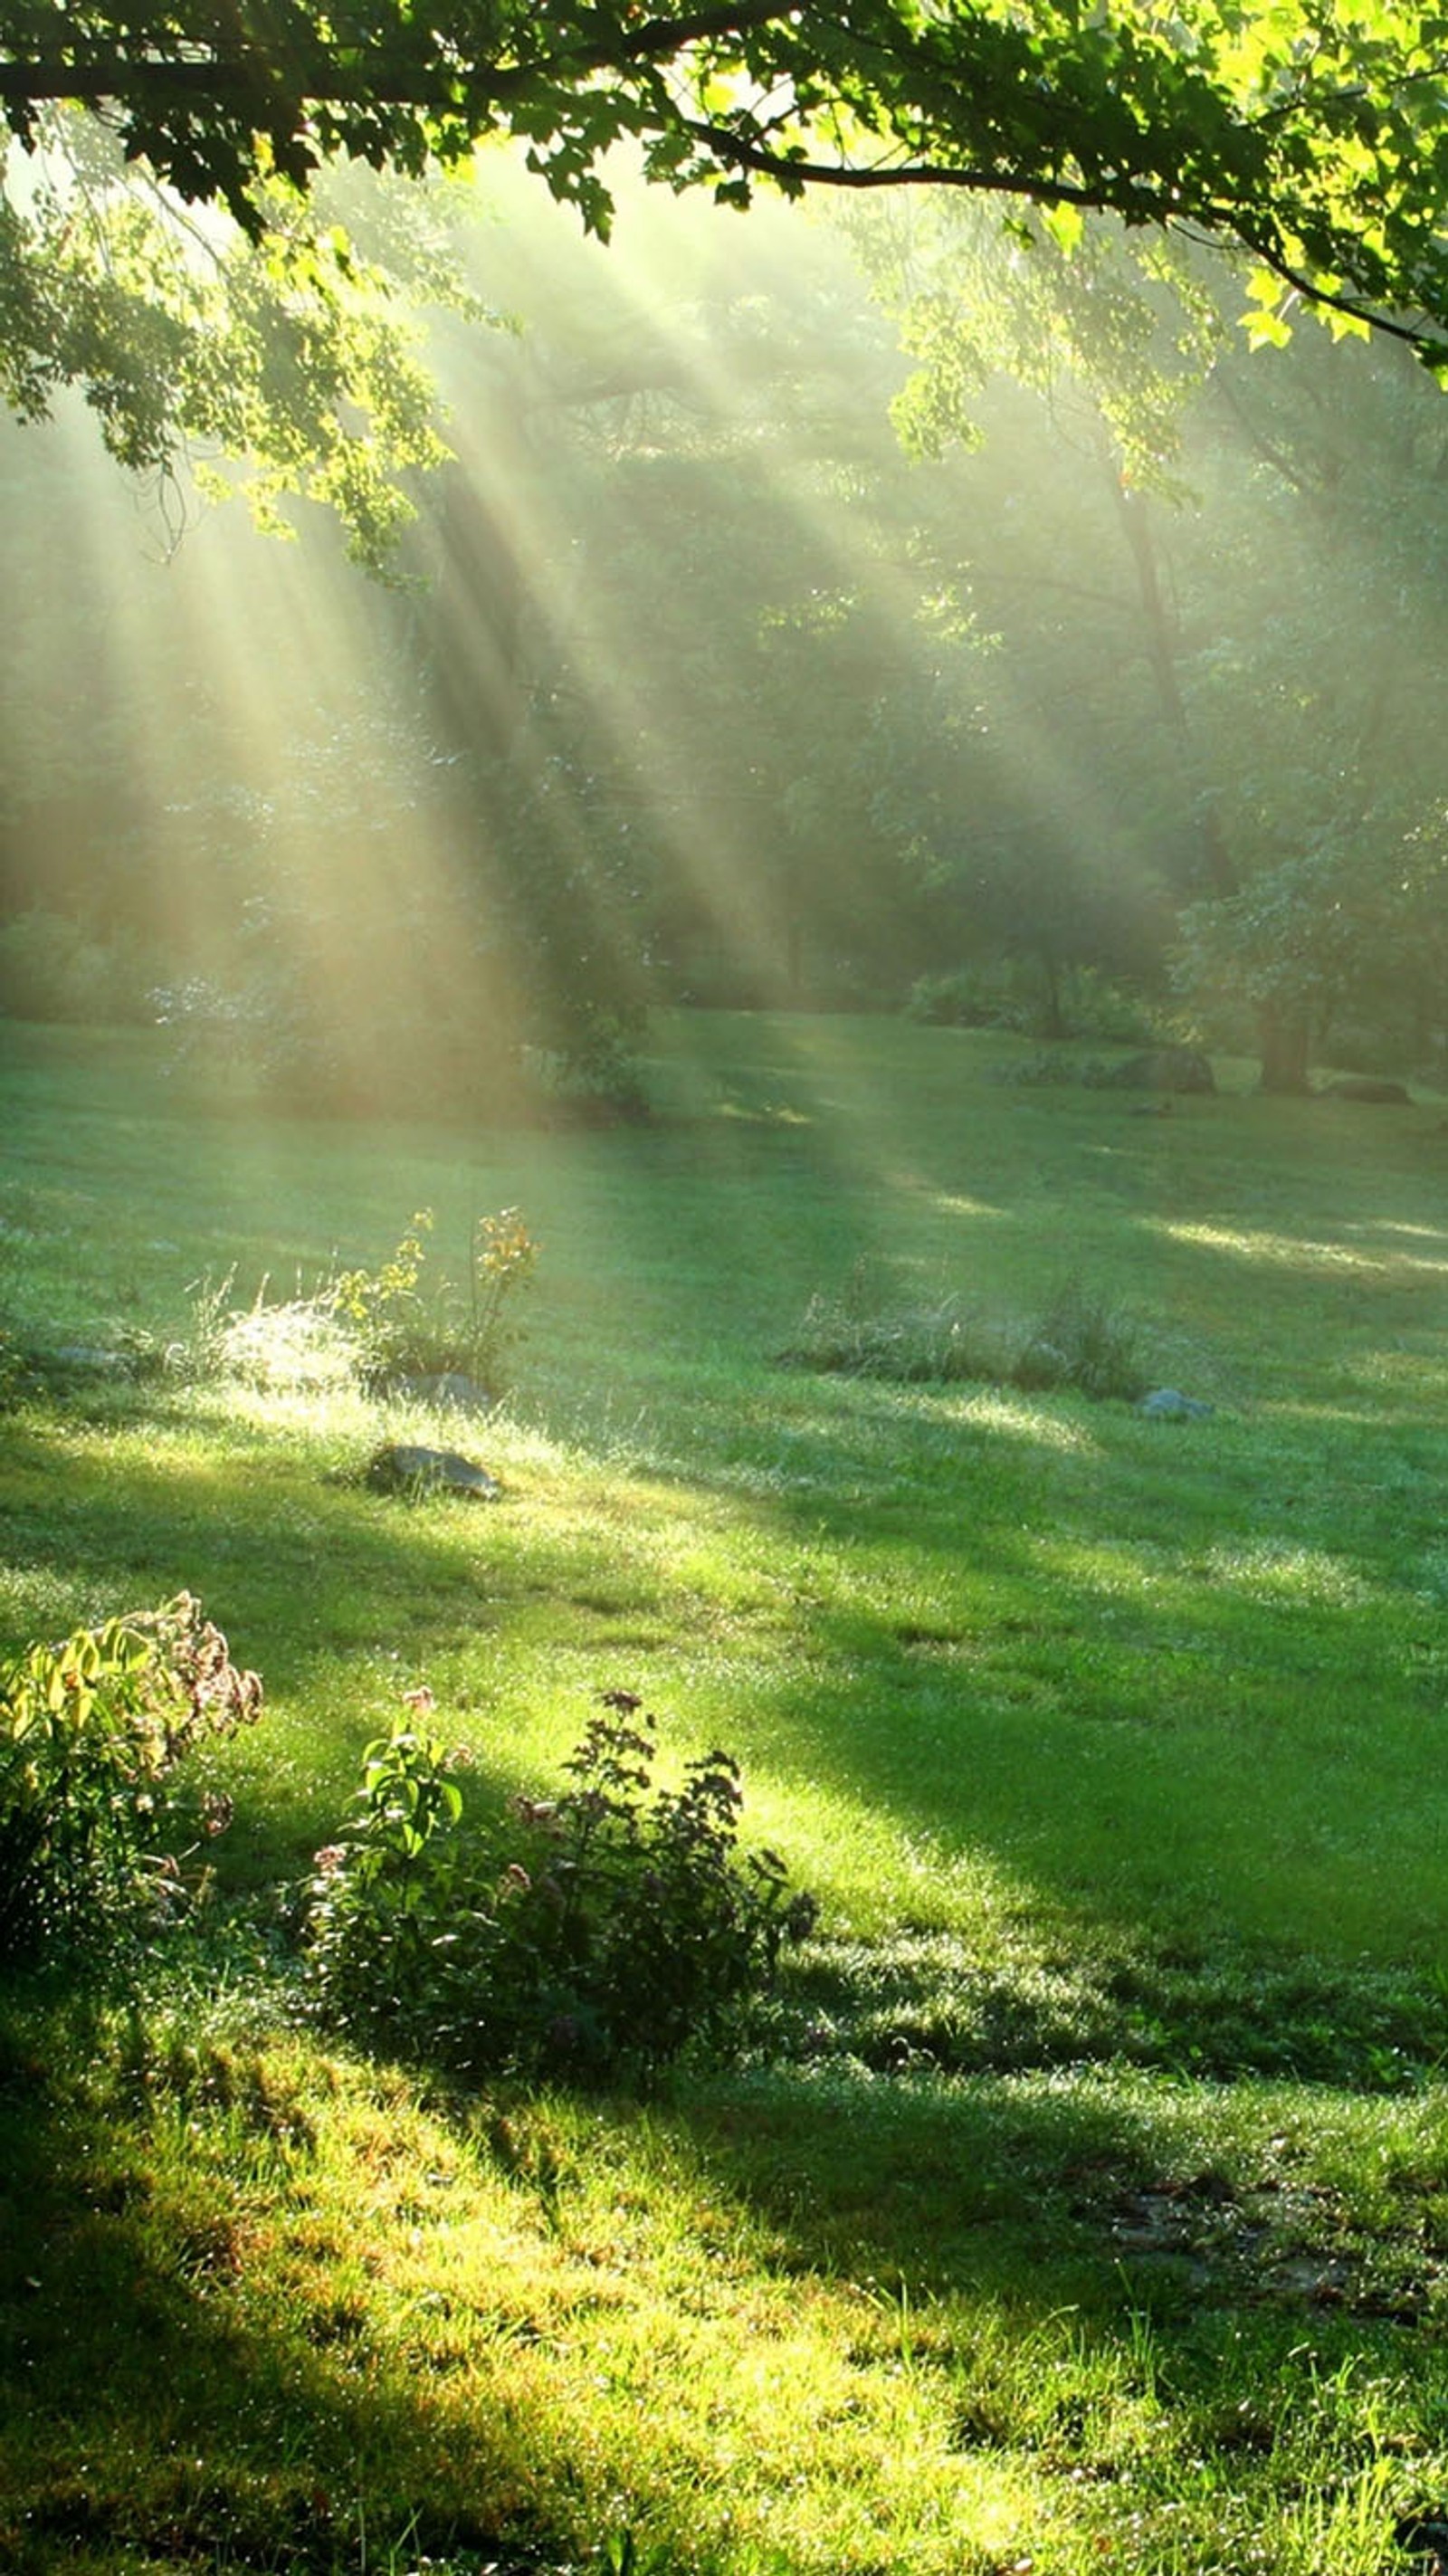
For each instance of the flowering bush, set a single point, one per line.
(606, 1930)
(92, 1732)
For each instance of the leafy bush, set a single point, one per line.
(385, 1057)
(594, 1073)
(1004, 993)
(92, 1732)
(602, 1933)
(51, 968)
(973, 997)
(1051, 1069)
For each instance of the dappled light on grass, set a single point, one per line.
(1180, 1575)
(1413, 1368)
(953, 1203)
(824, 2320)
(1112, 1749)
(1042, 1426)
(533, 2314)
(1412, 1233)
(1295, 1252)
(1274, 1571)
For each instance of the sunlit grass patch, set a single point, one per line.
(1271, 1571)
(541, 2321)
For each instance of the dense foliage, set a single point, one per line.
(1314, 136)
(1309, 139)
(1113, 696)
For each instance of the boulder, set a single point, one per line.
(1367, 1086)
(1168, 1404)
(402, 1467)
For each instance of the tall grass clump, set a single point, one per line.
(1082, 1338)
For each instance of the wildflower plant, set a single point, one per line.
(401, 1322)
(599, 1933)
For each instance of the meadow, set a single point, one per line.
(1092, 2208)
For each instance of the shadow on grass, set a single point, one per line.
(143, 2414)
(195, 2367)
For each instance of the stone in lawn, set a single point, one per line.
(1168, 1404)
(402, 1467)
(1370, 1087)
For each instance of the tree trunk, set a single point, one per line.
(1284, 1033)
(1053, 1019)
(1218, 867)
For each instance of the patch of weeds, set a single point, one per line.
(606, 1931)
(405, 1325)
(296, 1342)
(380, 1327)
(905, 1344)
(1082, 1339)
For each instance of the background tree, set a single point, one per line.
(696, 687)
(1272, 685)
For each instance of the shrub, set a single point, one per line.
(600, 1933)
(973, 997)
(384, 1058)
(52, 968)
(1004, 993)
(1050, 1070)
(92, 1732)
(593, 1074)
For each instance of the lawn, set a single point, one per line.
(1093, 2209)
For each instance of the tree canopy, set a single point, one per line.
(1310, 134)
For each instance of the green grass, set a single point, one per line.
(1097, 2210)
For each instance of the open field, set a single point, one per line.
(1096, 2211)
